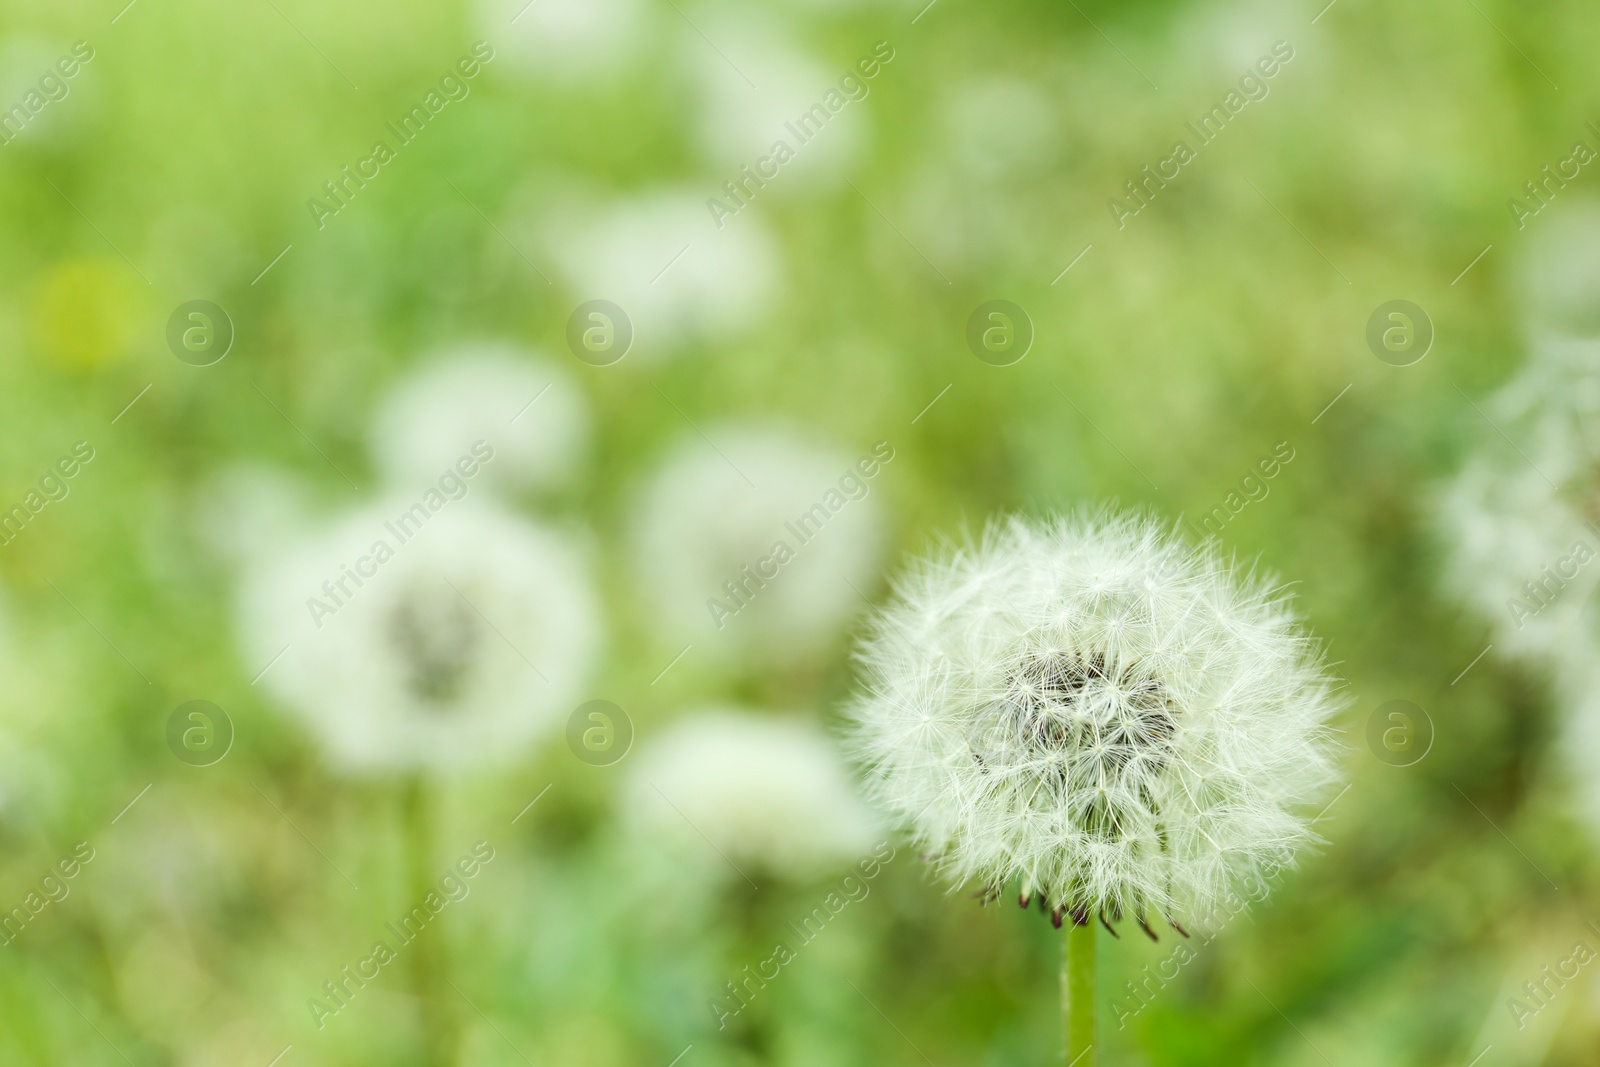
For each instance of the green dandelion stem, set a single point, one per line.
(426, 964)
(1077, 993)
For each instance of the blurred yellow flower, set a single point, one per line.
(84, 312)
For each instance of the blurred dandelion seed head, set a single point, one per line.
(995, 127)
(246, 511)
(708, 512)
(567, 41)
(466, 644)
(1561, 274)
(525, 406)
(770, 793)
(737, 123)
(1519, 525)
(661, 257)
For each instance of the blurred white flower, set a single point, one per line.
(715, 514)
(1098, 712)
(566, 41)
(246, 511)
(1518, 520)
(975, 202)
(1517, 556)
(1555, 400)
(997, 126)
(1231, 36)
(1579, 752)
(845, 5)
(528, 409)
(963, 226)
(661, 258)
(404, 636)
(754, 86)
(13, 761)
(1561, 273)
(44, 672)
(768, 793)
(35, 88)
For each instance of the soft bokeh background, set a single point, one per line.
(1211, 330)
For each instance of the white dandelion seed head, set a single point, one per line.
(1517, 520)
(528, 409)
(661, 258)
(570, 42)
(463, 645)
(1097, 712)
(711, 510)
(766, 792)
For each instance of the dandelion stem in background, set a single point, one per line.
(1077, 993)
(426, 973)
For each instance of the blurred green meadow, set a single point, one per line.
(1187, 333)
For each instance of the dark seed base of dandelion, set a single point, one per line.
(1079, 916)
(1044, 712)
